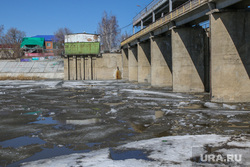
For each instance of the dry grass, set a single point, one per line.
(21, 77)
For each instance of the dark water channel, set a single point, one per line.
(44, 119)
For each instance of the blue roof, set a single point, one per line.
(46, 37)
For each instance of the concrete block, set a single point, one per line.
(2, 65)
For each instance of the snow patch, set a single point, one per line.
(232, 107)
(112, 111)
(153, 93)
(164, 151)
(212, 105)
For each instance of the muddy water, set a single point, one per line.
(43, 119)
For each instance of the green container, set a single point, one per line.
(82, 48)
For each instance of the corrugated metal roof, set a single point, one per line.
(32, 41)
(46, 37)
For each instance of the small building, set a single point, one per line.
(49, 41)
(38, 46)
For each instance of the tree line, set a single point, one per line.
(11, 39)
(108, 29)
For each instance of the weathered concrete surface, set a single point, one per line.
(133, 64)
(230, 61)
(188, 59)
(66, 68)
(144, 62)
(72, 65)
(46, 69)
(105, 68)
(79, 68)
(161, 61)
(125, 63)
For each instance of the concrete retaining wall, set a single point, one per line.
(105, 68)
(46, 69)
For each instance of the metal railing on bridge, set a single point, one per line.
(147, 10)
(181, 10)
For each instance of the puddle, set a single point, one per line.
(93, 144)
(48, 153)
(128, 154)
(21, 141)
(84, 122)
(45, 120)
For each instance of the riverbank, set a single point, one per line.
(34, 70)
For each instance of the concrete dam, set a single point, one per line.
(173, 50)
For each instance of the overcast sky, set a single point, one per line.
(44, 17)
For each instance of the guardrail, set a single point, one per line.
(181, 10)
(148, 9)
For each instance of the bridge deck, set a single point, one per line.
(176, 13)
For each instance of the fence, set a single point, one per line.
(151, 7)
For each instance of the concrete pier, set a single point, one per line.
(161, 61)
(79, 68)
(66, 67)
(133, 64)
(144, 62)
(188, 48)
(73, 70)
(230, 56)
(125, 63)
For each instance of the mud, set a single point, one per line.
(43, 119)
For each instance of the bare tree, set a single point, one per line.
(13, 39)
(60, 35)
(109, 31)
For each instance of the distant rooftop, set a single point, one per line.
(46, 37)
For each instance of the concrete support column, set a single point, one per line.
(230, 56)
(144, 62)
(188, 48)
(132, 64)
(72, 67)
(93, 61)
(82, 68)
(66, 67)
(161, 61)
(88, 68)
(141, 24)
(125, 63)
(78, 67)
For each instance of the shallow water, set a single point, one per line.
(61, 118)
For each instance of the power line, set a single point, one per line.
(118, 29)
